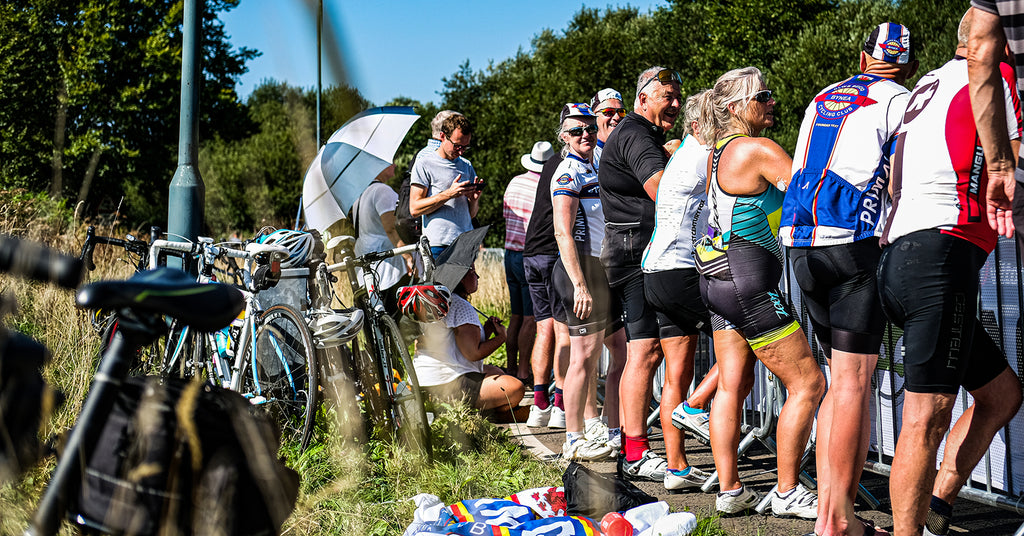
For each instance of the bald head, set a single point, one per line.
(964, 29)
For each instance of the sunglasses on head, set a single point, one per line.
(611, 112)
(664, 76)
(578, 131)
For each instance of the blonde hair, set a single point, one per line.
(698, 110)
(736, 86)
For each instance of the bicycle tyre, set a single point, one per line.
(282, 377)
(410, 412)
(179, 352)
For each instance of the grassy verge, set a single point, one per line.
(346, 489)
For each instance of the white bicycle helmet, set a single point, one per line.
(300, 245)
(332, 328)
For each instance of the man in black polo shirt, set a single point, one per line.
(632, 163)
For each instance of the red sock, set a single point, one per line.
(635, 447)
(540, 397)
(558, 399)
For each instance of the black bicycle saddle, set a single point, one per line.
(167, 291)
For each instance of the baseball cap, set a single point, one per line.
(603, 95)
(575, 109)
(890, 42)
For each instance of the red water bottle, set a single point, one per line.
(613, 524)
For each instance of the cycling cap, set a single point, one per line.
(424, 303)
(603, 95)
(575, 109)
(890, 42)
(299, 244)
(332, 328)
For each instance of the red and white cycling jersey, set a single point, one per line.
(938, 173)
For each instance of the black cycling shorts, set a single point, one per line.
(605, 311)
(747, 294)
(641, 318)
(839, 288)
(928, 283)
(542, 292)
(675, 297)
(464, 388)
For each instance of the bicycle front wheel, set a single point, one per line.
(180, 351)
(280, 372)
(410, 412)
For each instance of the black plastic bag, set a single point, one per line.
(593, 495)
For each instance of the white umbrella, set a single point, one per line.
(352, 157)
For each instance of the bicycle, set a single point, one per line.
(267, 353)
(139, 306)
(136, 255)
(383, 368)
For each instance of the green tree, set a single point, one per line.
(101, 84)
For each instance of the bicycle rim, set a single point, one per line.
(411, 414)
(282, 376)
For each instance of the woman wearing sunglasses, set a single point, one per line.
(580, 282)
(741, 263)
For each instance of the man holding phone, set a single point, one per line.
(445, 190)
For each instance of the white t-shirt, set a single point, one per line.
(378, 198)
(681, 218)
(438, 360)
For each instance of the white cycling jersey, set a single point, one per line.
(681, 218)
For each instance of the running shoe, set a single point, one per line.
(557, 419)
(596, 430)
(649, 467)
(585, 450)
(694, 420)
(694, 478)
(798, 502)
(539, 417)
(729, 503)
(615, 442)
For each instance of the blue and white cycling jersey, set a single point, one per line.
(840, 168)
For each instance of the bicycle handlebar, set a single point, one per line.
(423, 246)
(39, 263)
(251, 250)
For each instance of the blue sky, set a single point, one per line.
(391, 48)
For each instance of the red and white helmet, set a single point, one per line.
(425, 303)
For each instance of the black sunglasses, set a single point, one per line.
(578, 131)
(763, 96)
(664, 76)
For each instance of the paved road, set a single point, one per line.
(757, 471)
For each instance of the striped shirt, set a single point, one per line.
(1011, 15)
(518, 207)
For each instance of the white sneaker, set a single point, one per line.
(538, 417)
(596, 430)
(694, 479)
(615, 443)
(649, 467)
(585, 450)
(557, 419)
(727, 503)
(697, 424)
(799, 502)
